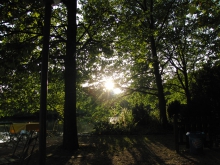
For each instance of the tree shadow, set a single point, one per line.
(104, 150)
(208, 156)
(126, 150)
(119, 149)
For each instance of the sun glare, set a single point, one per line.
(117, 90)
(109, 84)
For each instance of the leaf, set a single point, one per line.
(150, 65)
(192, 9)
(9, 14)
(36, 14)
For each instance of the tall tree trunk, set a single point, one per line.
(70, 138)
(185, 84)
(161, 97)
(44, 81)
(187, 91)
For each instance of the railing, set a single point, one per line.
(209, 125)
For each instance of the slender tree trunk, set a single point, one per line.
(185, 84)
(161, 97)
(187, 92)
(44, 81)
(70, 138)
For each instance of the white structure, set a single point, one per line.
(114, 120)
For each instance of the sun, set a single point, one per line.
(109, 84)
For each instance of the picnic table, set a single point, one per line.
(24, 136)
(18, 127)
(11, 130)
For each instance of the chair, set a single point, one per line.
(7, 136)
(29, 148)
(24, 147)
(22, 156)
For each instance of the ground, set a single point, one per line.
(125, 150)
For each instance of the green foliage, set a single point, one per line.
(206, 92)
(192, 9)
(141, 114)
(144, 121)
(19, 54)
(125, 125)
(174, 91)
(113, 38)
(173, 108)
(21, 95)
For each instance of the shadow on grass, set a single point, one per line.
(129, 150)
(103, 150)
(126, 150)
(109, 150)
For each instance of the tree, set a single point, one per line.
(70, 138)
(151, 22)
(180, 51)
(141, 25)
(193, 44)
(19, 58)
(85, 42)
(73, 62)
(205, 92)
(151, 42)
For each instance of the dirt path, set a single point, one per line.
(126, 150)
(132, 150)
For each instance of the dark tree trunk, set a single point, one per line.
(186, 89)
(44, 79)
(161, 97)
(70, 138)
(185, 83)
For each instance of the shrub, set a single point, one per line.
(124, 126)
(173, 108)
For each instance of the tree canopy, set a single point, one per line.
(154, 51)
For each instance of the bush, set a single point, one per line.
(173, 109)
(141, 114)
(206, 92)
(124, 126)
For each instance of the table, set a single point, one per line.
(17, 127)
(14, 131)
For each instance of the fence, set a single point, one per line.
(209, 125)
